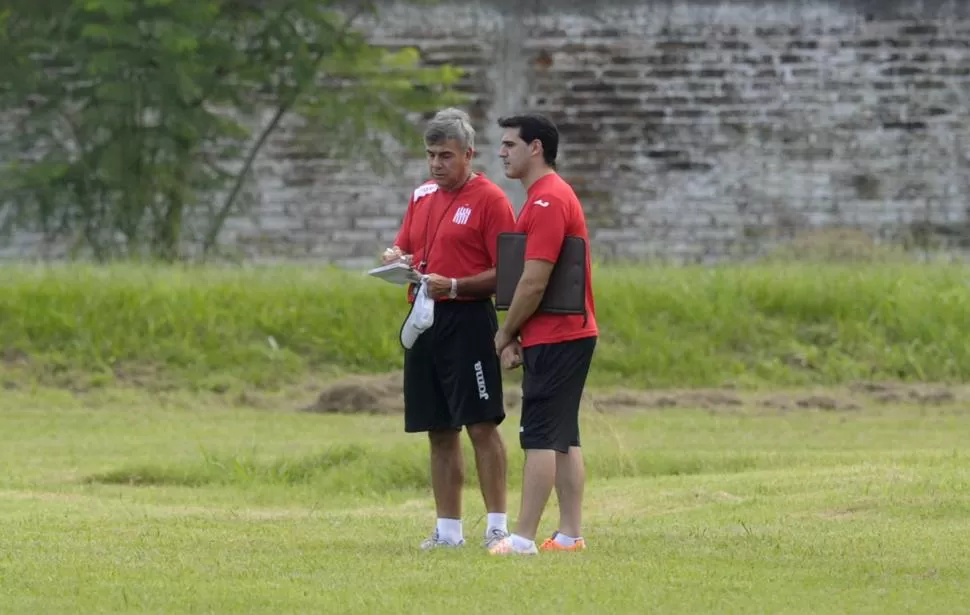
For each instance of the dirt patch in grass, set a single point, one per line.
(361, 394)
(383, 395)
(853, 397)
(893, 393)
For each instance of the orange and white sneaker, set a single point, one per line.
(551, 544)
(493, 537)
(505, 546)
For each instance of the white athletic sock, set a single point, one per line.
(566, 541)
(497, 521)
(520, 543)
(450, 530)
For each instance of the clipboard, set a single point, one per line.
(401, 274)
(566, 291)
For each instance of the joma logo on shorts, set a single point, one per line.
(480, 379)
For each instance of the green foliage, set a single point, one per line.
(130, 116)
(750, 326)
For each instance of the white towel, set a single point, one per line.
(420, 318)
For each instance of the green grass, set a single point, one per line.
(219, 329)
(121, 501)
(182, 498)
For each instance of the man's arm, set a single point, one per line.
(402, 242)
(480, 285)
(528, 294)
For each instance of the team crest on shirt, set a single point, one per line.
(462, 214)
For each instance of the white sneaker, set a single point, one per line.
(420, 318)
(435, 541)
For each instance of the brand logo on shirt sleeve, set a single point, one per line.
(541, 203)
(424, 190)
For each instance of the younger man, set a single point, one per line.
(555, 350)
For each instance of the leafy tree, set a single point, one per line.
(126, 122)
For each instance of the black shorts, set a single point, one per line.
(452, 376)
(552, 388)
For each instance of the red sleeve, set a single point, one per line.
(403, 239)
(546, 228)
(499, 218)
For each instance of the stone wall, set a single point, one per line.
(694, 131)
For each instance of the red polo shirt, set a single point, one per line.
(551, 212)
(455, 232)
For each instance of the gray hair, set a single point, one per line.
(450, 123)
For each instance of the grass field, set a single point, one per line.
(154, 457)
(125, 504)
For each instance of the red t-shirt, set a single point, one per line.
(551, 212)
(456, 232)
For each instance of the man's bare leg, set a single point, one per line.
(538, 479)
(570, 483)
(492, 464)
(447, 480)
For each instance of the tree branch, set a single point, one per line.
(211, 236)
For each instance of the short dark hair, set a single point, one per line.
(534, 126)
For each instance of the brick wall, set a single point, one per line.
(694, 131)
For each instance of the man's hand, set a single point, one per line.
(512, 355)
(438, 286)
(502, 341)
(393, 255)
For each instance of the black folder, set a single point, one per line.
(566, 291)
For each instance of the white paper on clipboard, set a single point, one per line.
(401, 274)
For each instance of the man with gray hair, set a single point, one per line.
(452, 376)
